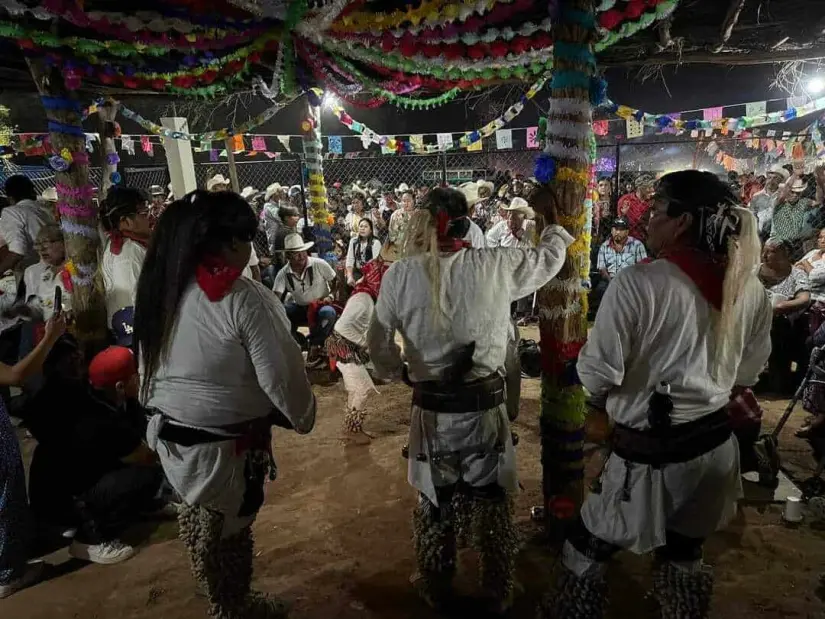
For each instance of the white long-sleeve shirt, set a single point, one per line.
(477, 287)
(475, 237)
(654, 326)
(500, 235)
(231, 360)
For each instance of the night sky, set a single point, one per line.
(689, 86)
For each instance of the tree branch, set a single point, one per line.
(734, 10)
(751, 58)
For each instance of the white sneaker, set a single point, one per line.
(31, 576)
(107, 553)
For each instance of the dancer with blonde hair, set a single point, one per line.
(451, 306)
(672, 339)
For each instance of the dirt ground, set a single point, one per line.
(334, 537)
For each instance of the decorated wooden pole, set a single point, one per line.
(565, 166)
(314, 166)
(78, 212)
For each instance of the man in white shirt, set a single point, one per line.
(474, 236)
(672, 339)
(303, 285)
(452, 312)
(518, 230)
(19, 225)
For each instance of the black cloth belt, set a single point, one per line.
(187, 437)
(478, 395)
(678, 443)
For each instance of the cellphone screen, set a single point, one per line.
(58, 299)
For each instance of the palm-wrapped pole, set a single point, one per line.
(563, 302)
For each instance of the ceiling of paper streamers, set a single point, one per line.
(417, 54)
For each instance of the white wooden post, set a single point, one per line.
(179, 158)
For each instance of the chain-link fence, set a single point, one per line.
(256, 174)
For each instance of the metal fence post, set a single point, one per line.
(304, 173)
(444, 168)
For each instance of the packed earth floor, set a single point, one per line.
(334, 537)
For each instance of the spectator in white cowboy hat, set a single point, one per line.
(474, 234)
(763, 202)
(217, 183)
(399, 219)
(274, 196)
(518, 230)
(249, 192)
(49, 200)
(790, 215)
(401, 189)
(303, 285)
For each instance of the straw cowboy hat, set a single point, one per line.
(799, 186)
(294, 242)
(402, 188)
(218, 179)
(294, 190)
(358, 190)
(519, 205)
(49, 195)
(470, 191)
(248, 192)
(780, 171)
(482, 184)
(156, 190)
(272, 190)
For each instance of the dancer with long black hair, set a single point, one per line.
(219, 367)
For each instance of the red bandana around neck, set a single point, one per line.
(706, 273)
(117, 238)
(215, 278)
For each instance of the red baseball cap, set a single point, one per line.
(113, 365)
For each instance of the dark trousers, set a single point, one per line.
(318, 333)
(787, 347)
(116, 499)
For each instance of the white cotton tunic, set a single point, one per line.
(120, 275)
(475, 237)
(653, 326)
(228, 361)
(477, 287)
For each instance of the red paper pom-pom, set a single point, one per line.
(475, 52)
(158, 83)
(431, 51)
(130, 82)
(387, 42)
(254, 57)
(183, 81)
(610, 19)
(634, 9)
(498, 49)
(453, 51)
(519, 45)
(26, 44)
(541, 40)
(107, 78)
(408, 48)
(209, 76)
(473, 23)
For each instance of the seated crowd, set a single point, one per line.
(92, 472)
